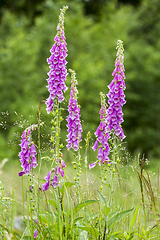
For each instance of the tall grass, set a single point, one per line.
(132, 215)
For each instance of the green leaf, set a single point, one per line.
(118, 234)
(134, 217)
(106, 210)
(82, 205)
(77, 219)
(48, 217)
(92, 231)
(118, 217)
(89, 218)
(66, 185)
(69, 184)
(83, 235)
(67, 222)
(102, 198)
(53, 203)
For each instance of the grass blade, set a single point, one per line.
(82, 205)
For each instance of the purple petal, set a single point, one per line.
(21, 173)
(56, 170)
(95, 145)
(62, 172)
(55, 179)
(33, 150)
(100, 153)
(35, 233)
(47, 178)
(63, 165)
(45, 186)
(92, 165)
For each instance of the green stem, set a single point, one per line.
(60, 212)
(78, 175)
(23, 201)
(28, 208)
(39, 162)
(39, 143)
(30, 204)
(112, 174)
(142, 192)
(58, 133)
(86, 166)
(12, 211)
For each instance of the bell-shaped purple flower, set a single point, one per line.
(63, 165)
(45, 186)
(62, 172)
(35, 233)
(95, 145)
(100, 154)
(55, 181)
(28, 153)
(116, 96)
(74, 124)
(58, 171)
(92, 165)
(58, 72)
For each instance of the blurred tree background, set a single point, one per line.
(27, 31)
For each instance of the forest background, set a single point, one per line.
(27, 31)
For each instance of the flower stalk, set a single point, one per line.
(102, 137)
(116, 96)
(57, 61)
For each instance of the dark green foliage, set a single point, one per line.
(25, 45)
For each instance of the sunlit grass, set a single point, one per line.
(126, 194)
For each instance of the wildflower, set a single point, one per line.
(92, 165)
(45, 186)
(63, 165)
(58, 72)
(58, 170)
(73, 119)
(102, 136)
(28, 153)
(35, 233)
(116, 96)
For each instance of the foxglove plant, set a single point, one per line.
(116, 96)
(74, 124)
(58, 72)
(102, 136)
(28, 153)
(45, 186)
(55, 180)
(58, 171)
(56, 87)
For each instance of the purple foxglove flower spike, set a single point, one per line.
(74, 124)
(116, 97)
(28, 153)
(102, 137)
(58, 72)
